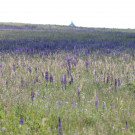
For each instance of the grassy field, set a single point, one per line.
(60, 80)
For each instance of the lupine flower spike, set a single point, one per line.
(21, 121)
(46, 76)
(32, 94)
(51, 78)
(59, 127)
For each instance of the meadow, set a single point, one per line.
(61, 80)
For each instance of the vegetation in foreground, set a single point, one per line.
(67, 82)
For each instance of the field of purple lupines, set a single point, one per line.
(60, 80)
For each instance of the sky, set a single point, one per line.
(85, 13)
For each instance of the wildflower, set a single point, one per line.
(74, 62)
(3, 128)
(65, 79)
(32, 94)
(71, 81)
(30, 70)
(108, 77)
(59, 127)
(51, 78)
(79, 76)
(21, 121)
(118, 82)
(6, 82)
(102, 114)
(46, 76)
(0, 65)
(115, 83)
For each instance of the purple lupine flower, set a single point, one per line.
(24, 65)
(51, 78)
(21, 121)
(32, 94)
(78, 93)
(71, 81)
(30, 70)
(65, 79)
(103, 105)
(115, 83)
(68, 63)
(0, 65)
(108, 78)
(96, 102)
(6, 82)
(61, 79)
(79, 75)
(119, 82)
(59, 127)
(46, 76)
(74, 62)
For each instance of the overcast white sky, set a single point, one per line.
(87, 13)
